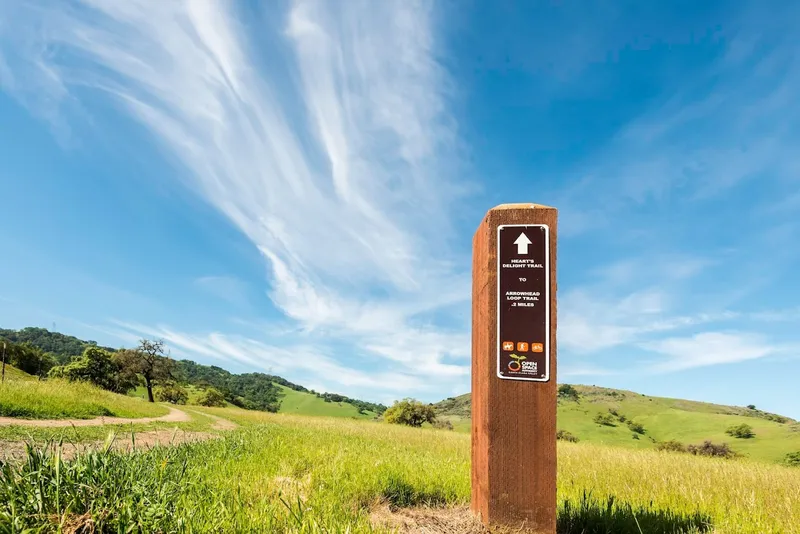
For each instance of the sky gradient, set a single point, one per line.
(294, 189)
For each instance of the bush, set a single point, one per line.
(443, 424)
(565, 391)
(636, 427)
(604, 419)
(410, 412)
(743, 431)
(793, 459)
(751, 406)
(97, 366)
(711, 449)
(635, 436)
(671, 446)
(563, 435)
(212, 397)
(171, 393)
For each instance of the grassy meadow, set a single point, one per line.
(59, 399)
(292, 402)
(663, 419)
(329, 472)
(302, 403)
(283, 473)
(12, 373)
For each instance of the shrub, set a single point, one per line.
(751, 406)
(636, 427)
(97, 366)
(565, 391)
(743, 431)
(410, 412)
(171, 393)
(443, 424)
(614, 412)
(671, 446)
(711, 449)
(635, 436)
(212, 397)
(793, 459)
(563, 435)
(604, 419)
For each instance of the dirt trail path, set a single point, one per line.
(11, 451)
(174, 416)
(219, 422)
(15, 450)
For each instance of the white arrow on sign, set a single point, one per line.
(522, 243)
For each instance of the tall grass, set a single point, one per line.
(308, 475)
(58, 399)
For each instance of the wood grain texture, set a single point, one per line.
(513, 421)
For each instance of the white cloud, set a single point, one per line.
(591, 321)
(709, 348)
(302, 363)
(325, 139)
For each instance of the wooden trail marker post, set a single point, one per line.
(514, 368)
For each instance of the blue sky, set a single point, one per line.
(295, 189)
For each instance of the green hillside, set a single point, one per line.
(290, 401)
(303, 403)
(22, 396)
(662, 419)
(38, 349)
(12, 373)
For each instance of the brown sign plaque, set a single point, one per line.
(523, 302)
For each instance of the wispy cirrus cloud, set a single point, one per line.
(303, 359)
(715, 130)
(709, 348)
(321, 132)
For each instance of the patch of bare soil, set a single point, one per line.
(219, 422)
(427, 520)
(15, 450)
(424, 520)
(174, 416)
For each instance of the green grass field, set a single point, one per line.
(282, 473)
(301, 403)
(292, 402)
(59, 399)
(194, 393)
(663, 419)
(12, 373)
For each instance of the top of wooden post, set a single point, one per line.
(522, 205)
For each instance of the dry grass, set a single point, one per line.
(300, 475)
(60, 399)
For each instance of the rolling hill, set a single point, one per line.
(662, 419)
(290, 401)
(12, 373)
(304, 403)
(256, 391)
(23, 396)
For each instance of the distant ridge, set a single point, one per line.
(605, 415)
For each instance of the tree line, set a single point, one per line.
(363, 406)
(45, 354)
